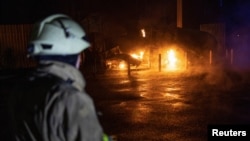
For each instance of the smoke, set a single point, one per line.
(239, 43)
(238, 19)
(225, 78)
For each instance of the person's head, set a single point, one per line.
(57, 38)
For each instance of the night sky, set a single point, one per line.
(21, 11)
(234, 12)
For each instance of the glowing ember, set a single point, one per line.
(143, 32)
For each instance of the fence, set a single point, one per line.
(13, 42)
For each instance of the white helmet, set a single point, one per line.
(57, 35)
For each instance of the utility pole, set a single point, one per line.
(179, 23)
(179, 13)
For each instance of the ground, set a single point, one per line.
(151, 105)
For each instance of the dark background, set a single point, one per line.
(195, 12)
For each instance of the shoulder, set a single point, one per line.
(71, 95)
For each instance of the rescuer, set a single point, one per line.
(50, 103)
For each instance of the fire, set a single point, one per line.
(140, 56)
(122, 65)
(143, 32)
(171, 60)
